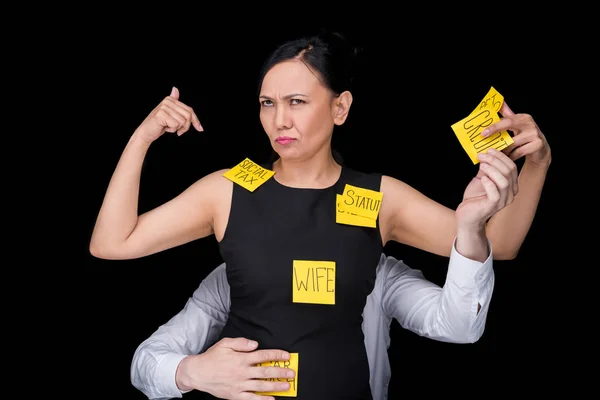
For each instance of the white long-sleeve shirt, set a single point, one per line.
(447, 313)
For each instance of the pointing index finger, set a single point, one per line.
(504, 124)
(196, 122)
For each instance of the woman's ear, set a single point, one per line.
(341, 107)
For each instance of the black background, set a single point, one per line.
(413, 86)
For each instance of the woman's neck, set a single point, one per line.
(315, 173)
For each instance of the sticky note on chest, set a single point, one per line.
(346, 218)
(313, 282)
(292, 363)
(485, 114)
(249, 175)
(360, 201)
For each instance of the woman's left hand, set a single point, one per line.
(528, 139)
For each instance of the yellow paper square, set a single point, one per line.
(468, 130)
(291, 363)
(313, 282)
(491, 101)
(342, 217)
(361, 201)
(468, 133)
(248, 174)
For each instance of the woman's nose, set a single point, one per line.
(282, 118)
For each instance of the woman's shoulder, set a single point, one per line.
(351, 171)
(368, 179)
(214, 182)
(215, 176)
(380, 182)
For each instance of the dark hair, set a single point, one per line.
(329, 54)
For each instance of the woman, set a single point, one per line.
(285, 249)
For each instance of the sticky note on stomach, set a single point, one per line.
(291, 363)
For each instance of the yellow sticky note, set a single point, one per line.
(485, 114)
(291, 363)
(361, 201)
(248, 174)
(343, 217)
(313, 282)
(491, 101)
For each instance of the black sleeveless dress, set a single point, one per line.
(268, 230)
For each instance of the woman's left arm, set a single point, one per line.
(408, 216)
(508, 228)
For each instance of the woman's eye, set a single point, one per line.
(269, 103)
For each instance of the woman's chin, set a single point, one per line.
(287, 153)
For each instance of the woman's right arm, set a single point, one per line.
(119, 232)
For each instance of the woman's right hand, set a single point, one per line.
(170, 115)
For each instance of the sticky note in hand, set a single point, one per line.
(468, 130)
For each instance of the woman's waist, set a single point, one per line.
(297, 333)
(330, 363)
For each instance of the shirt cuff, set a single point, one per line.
(167, 369)
(465, 272)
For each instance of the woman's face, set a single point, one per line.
(296, 111)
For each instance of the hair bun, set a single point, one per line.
(339, 42)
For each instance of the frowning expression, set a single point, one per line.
(296, 110)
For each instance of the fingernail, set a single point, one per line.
(481, 156)
(485, 132)
(286, 356)
(492, 150)
(252, 343)
(290, 373)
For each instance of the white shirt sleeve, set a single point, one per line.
(448, 313)
(191, 331)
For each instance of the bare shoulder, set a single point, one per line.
(410, 217)
(393, 187)
(215, 182)
(395, 194)
(219, 190)
(215, 177)
(209, 193)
